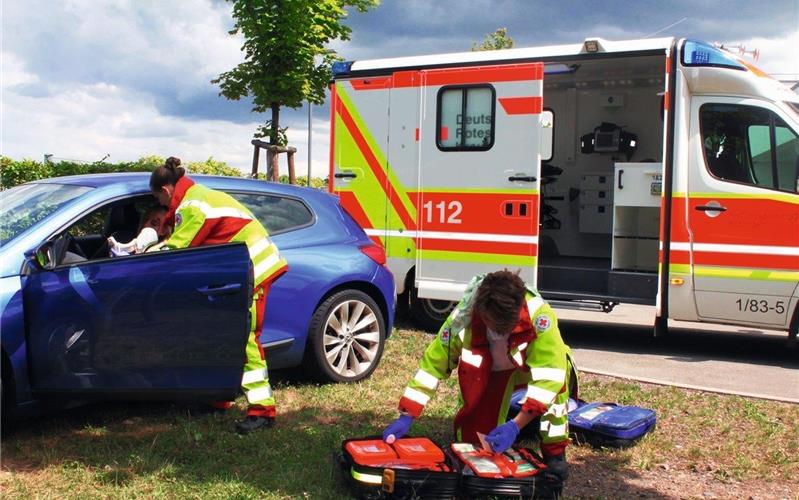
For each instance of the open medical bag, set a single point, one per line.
(517, 473)
(609, 424)
(407, 468)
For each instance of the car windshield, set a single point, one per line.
(23, 206)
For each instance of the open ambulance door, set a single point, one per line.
(477, 205)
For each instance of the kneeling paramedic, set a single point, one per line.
(502, 336)
(203, 216)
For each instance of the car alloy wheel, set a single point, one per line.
(348, 333)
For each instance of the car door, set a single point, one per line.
(742, 210)
(159, 325)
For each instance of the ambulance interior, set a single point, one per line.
(601, 181)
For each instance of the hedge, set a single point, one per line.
(14, 172)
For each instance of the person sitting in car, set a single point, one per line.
(152, 231)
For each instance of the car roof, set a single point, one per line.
(140, 181)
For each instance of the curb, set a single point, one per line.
(690, 386)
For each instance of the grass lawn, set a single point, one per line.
(705, 444)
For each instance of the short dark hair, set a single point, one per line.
(499, 298)
(149, 213)
(167, 174)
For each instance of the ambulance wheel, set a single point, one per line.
(429, 314)
(346, 336)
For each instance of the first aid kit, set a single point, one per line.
(609, 424)
(408, 468)
(517, 472)
(416, 467)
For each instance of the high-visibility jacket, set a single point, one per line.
(535, 347)
(203, 216)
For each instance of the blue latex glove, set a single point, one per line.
(502, 437)
(397, 428)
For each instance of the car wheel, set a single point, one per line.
(347, 335)
(429, 314)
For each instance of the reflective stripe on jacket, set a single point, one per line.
(535, 347)
(203, 216)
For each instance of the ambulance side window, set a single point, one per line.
(465, 120)
(749, 145)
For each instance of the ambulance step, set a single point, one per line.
(573, 278)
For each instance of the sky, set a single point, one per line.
(82, 79)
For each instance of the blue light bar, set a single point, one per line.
(701, 54)
(340, 68)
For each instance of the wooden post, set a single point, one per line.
(292, 177)
(273, 161)
(255, 154)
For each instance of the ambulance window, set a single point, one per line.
(749, 145)
(465, 118)
(787, 143)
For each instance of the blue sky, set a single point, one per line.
(84, 78)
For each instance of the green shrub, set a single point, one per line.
(14, 172)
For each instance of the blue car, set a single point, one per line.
(77, 325)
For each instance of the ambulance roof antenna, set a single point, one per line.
(667, 27)
(741, 50)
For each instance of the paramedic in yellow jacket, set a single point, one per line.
(501, 336)
(203, 216)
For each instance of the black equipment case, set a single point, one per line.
(408, 468)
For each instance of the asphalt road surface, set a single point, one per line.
(732, 360)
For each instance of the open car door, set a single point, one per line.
(160, 325)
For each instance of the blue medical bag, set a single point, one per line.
(609, 424)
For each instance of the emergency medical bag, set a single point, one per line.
(407, 468)
(517, 472)
(609, 424)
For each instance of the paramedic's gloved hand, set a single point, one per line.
(502, 437)
(397, 428)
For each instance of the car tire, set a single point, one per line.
(429, 314)
(351, 352)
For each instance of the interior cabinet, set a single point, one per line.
(636, 216)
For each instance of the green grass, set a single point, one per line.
(169, 451)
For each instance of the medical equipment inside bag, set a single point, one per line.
(517, 462)
(407, 468)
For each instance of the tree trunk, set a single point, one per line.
(274, 138)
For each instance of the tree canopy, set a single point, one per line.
(282, 41)
(499, 39)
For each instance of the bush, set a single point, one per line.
(14, 172)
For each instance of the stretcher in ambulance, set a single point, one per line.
(660, 172)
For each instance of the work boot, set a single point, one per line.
(556, 473)
(253, 423)
(557, 467)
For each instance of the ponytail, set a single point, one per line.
(167, 174)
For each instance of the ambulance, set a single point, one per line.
(658, 171)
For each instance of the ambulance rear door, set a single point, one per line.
(477, 205)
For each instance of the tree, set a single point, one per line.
(499, 39)
(282, 39)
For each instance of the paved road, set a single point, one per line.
(743, 361)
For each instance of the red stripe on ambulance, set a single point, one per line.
(374, 166)
(522, 105)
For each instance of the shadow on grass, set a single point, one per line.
(181, 446)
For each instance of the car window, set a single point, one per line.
(23, 206)
(278, 214)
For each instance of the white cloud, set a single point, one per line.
(777, 55)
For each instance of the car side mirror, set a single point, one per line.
(43, 257)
